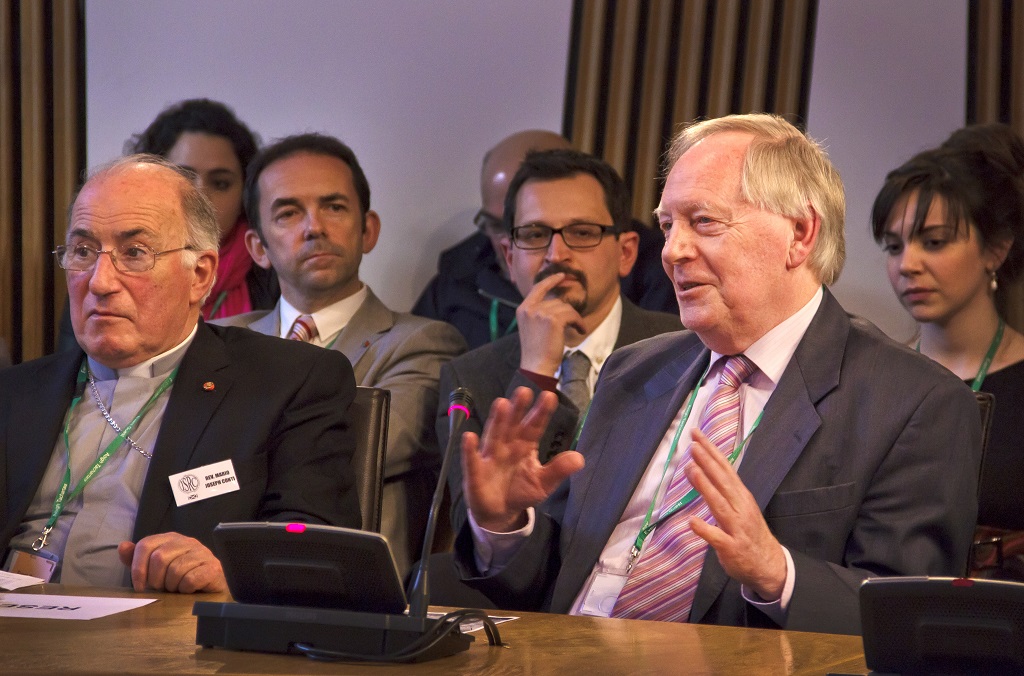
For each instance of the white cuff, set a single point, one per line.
(492, 551)
(776, 610)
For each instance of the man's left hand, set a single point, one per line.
(172, 562)
(742, 540)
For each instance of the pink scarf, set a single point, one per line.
(230, 295)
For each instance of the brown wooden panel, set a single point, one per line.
(34, 169)
(588, 76)
(691, 58)
(66, 132)
(7, 172)
(1017, 67)
(620, 84)
(726, 35)
(649, 142)
(789, 77)
(989, 76)
(756, 58)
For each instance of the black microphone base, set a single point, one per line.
(276, 629)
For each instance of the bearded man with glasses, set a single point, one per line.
(567, 243)
(117, 460)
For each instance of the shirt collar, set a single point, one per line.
(772, 351)
(329, 320)
(155, 367)
(601, 341)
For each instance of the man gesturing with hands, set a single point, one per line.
(568, 242)
(753, 470)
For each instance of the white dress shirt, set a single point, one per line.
(771, 354)
(329, 321)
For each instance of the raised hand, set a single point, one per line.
(502, 475)
(543, 318)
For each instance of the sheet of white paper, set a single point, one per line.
(468, 626)
(12, 581)
(40, 606)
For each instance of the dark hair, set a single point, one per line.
(316, 144)
(977, 190)
(197, 115)
(550, 165)
(997, 140)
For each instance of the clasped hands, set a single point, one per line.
(502, 477)
(172, 562)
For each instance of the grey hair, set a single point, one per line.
(201, 230)
(784, 172)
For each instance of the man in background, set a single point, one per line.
(308, 202)
(567, 244)
(472, 289)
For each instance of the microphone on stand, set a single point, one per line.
(459, 404)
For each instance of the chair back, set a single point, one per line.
(368, 416)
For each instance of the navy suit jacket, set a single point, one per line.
(865, 463)
(492, 371)
(277, 409)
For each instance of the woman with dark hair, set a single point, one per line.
(206, 137)
(951, 222)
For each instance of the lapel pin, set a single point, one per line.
(366, 343)
(209, 386)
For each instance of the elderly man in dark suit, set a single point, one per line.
(116, 464)
(822, 452)
(568, 243)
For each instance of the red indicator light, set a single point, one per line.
(296, 528)
(963, 582)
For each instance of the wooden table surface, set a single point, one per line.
(160, 639)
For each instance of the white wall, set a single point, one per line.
(419, 89)
(888, 81)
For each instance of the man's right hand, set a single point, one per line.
(502, 476)
(543, 319)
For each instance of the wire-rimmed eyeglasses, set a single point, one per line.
(126, 258)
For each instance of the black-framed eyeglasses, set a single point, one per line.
(575, 236)
(487, 222)
(126, 258)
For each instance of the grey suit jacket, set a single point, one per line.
(492, 371)
(865, 463)
(401, 353)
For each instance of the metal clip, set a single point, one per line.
(41, 540)
(633, 554)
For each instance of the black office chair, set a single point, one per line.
(369, 418)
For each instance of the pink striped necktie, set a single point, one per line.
(303, 329)
(663, 581)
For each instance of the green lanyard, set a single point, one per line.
(989, 356)
(218, 303)
(647, 528)
(493, 320)
(62, 492)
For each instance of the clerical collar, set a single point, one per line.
(330, 320)
(154, 367)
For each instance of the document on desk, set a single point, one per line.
(12, 581)
(468, 626)
(46, 607)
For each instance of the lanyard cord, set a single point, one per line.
(63, 496)
(493, 321)
(648, 527)
(993, 347)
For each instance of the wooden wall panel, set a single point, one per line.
(41, 121)
(643, 69)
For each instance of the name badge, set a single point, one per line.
(40, 564)
(602, 594)
(204, 482)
